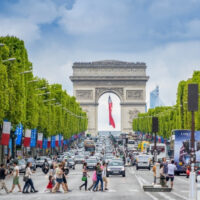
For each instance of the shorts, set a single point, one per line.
(64, 180)
(59, 180)
(171, 177)
(16, 180)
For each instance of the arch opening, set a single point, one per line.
(103, 112)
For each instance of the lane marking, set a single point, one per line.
(165, 196)
(178, 195)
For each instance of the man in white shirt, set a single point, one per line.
(170, 175)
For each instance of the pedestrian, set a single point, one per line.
(171, 169)
(50, 184)
(3, 173)
(15, 174)
(165, 164)
(59, 179)
(94, 180)
(52, 173)
(104, 176)
(99, 177)
(64, 176)
(188, 172)
(154, 173)
(162, 176)
(28, 180)
(84, 177)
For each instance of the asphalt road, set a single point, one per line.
(120, 188)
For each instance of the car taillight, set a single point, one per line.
(198, 172)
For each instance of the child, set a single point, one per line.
(94, 180)
(50, 184)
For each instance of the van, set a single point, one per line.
(143, 162)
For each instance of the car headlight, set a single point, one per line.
(108, 169)
(122, 168)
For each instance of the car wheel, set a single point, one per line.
(124, 175)
(73, 168)
(136, 168)
(107, 174)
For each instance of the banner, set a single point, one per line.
(5, 133)
(53, 141)
(110, 105)
(27, 138)
(19, 134)
(49, 143)
(33, 137)
(57, 140)
(39, 140)
(60, 140)
(45, 143)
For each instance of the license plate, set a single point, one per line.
(115, 172)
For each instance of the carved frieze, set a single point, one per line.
(84, 94)
(118, 91)
(134, 94)
(132, 114)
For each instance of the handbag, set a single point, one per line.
(84, 178)
(25, 178)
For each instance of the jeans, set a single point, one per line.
(99, 178)
(84, 184)
(28, 183)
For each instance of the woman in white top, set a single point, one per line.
(28, 180)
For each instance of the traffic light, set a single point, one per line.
(155, 125)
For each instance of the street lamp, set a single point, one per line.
(26, 72)
(9, 59)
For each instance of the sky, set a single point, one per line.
(163, 34)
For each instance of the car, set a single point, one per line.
(91, 163)
(22, 165)
(71, 163)
(115, 167)
(108, 158)
(79, 159)
(143, 162)
(32, 160)
(40, 161)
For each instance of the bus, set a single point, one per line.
(89, 145)
(161, 150)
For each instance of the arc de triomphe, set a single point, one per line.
(125, 79)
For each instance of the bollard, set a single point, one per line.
(198, 188)
(192, 191)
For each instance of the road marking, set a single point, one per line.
(165, 196)
(178, 195)
(133, 190)
(111, 190)
(180, 179)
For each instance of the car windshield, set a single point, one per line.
(70, 160)
(143, 157)
(115, 164)
(30, 160)
(22, 162)
(109, 157)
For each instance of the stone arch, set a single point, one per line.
(117, 91)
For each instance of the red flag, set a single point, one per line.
(111, 120)
(6, 133)
(27, 138)
(39, 140)
(49, 143)
(57, 139)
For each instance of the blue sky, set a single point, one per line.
(163, 33)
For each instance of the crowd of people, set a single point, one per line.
(166, 172)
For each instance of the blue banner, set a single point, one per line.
(33, 137)
(53, 141)
(45, 142)
(19, 133)
(64, 142)
(10, 144)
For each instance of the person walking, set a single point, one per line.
(3, 174)
(64, 176)
(154, 173)
(28, 180)
(171, 169)
(59, 179)
(15, 174)
(84, 177)
(99, 177)
(105, 180)
(94, 180)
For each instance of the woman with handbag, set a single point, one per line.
(85, 175)
(27, 179)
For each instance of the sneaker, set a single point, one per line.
(106, 188)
